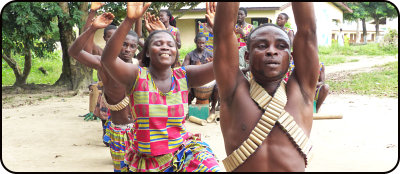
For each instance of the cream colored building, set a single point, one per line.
(329, 17)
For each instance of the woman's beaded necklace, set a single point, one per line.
(159, 91)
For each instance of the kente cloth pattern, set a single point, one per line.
(290, 70)
(118, 139)
(240, 38)
(209, 37)
(174, 31)
(193, 156)
(159, 119)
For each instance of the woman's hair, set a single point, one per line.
(145, 58)
(172, 20)
(199, 35)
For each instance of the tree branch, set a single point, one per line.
(13, 64)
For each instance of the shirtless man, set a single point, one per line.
(114, 92)
(268, 52)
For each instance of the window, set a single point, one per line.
(259, 21)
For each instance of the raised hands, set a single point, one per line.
(135, 10)
(152, 23)
(96, 5)
(103, 20)
(211, 8)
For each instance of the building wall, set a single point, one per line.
(326, 13)
(187, 30)
(187, 26)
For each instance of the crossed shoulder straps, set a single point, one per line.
(274, 115)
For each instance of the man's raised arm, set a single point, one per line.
(119, 70)
(76, 50)
(226, 54)
(305, 47)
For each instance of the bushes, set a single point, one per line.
(390, 41)
(51, 62)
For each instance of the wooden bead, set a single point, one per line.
(235, 161)
(241, 154)
(257, 135)
(295, 134)
(287, 121)
(274, 113)
(245, 151)
(300, 136)
(274, 108)
(248, 147)
(259, 131)
(228, 164)
(262, 128)
(237, 157)
(283, 117)
(251, 144)
(277, 106)
(255, 140)
(265, 124)
(268, 120)
(290, 126)
(302, 141)
(269, 115)
(263, 101)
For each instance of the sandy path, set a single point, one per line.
(364, 64)
(49, 136)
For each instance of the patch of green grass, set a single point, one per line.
(370, 49)
(335, 54)
(332, 59)
(52, 63)
(382, 82)
(184, 51)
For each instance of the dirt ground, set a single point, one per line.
(42, 133)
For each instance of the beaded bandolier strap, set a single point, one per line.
(274, 115)
(117, 107)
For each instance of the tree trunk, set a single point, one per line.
(74, 74)
(376, 29)
(357, 39)
(364, 31)
(20, 77)
(84, 9)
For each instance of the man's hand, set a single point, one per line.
(209, 59)
(95, 6)
(103, 20)
(211, 8)
(152, 23)
(135, 10)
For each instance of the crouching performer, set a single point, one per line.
(159, 101)
(266, 122)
